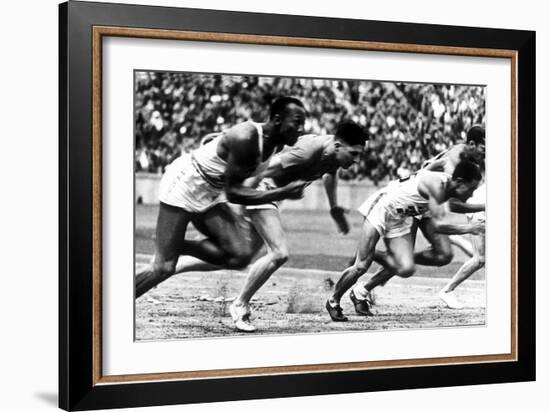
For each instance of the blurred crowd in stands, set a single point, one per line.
(407, 123)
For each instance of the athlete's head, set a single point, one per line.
(466, 178)
(350, 141)
(475, 146)
(288, 116)
(475, 138)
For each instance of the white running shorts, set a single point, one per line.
(182, 186)
(386, 223)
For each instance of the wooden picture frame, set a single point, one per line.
(83, 26)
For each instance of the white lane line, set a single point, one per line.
(331, 272)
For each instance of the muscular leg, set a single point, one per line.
(401, 248)
(472, 265)
(460, 242)
(384, 258)
(364, 256)
(389, 264)
(171, 226)
(226, 246)
(469, 267)
(193, 264)
(267, 223)
(214, 247)
(440, 253)
(228, 242)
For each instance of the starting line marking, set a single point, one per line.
(148, 257)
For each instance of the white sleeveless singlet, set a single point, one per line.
(212, 167)
(404, 199)
(195, 182)
(391, 209)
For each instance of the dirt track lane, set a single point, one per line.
(195, 305)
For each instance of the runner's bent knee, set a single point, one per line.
(442, 258)
(238, 260)
(164, 268)
(406, 270)
(280, 256)
(479, 261)
(361, 266)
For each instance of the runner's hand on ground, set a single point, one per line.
(338, 214)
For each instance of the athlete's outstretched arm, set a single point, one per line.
(242, 161)
(250, 196)
(434, 191)
(273, 170)
(447, 228)
(337, 212)
(441, 225)
(330, 182)
(458, 206)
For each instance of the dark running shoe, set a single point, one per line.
(335, 312)
(361, 306)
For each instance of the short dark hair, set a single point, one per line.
(279, 105)
(467, 171)
(351, 133)
(476, 134)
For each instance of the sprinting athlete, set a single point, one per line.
(311, 158)
(389, 214)
(440, 253)
(476, 261)
(196, 189)
(473, 150)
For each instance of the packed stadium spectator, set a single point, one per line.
(407, 122)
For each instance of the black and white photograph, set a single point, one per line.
(293, 205)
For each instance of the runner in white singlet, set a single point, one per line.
(391, 209)
(440, 252)
(195, 182)
(389, 214)
(195, 189)
(310, 158)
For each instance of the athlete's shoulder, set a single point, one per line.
(434, 180)
(241, 142)
(242, 135)
(433, 185)
(243, 130)
(455, 150)
(309, 141)
(308, 144)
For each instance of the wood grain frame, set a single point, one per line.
(100, 32)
